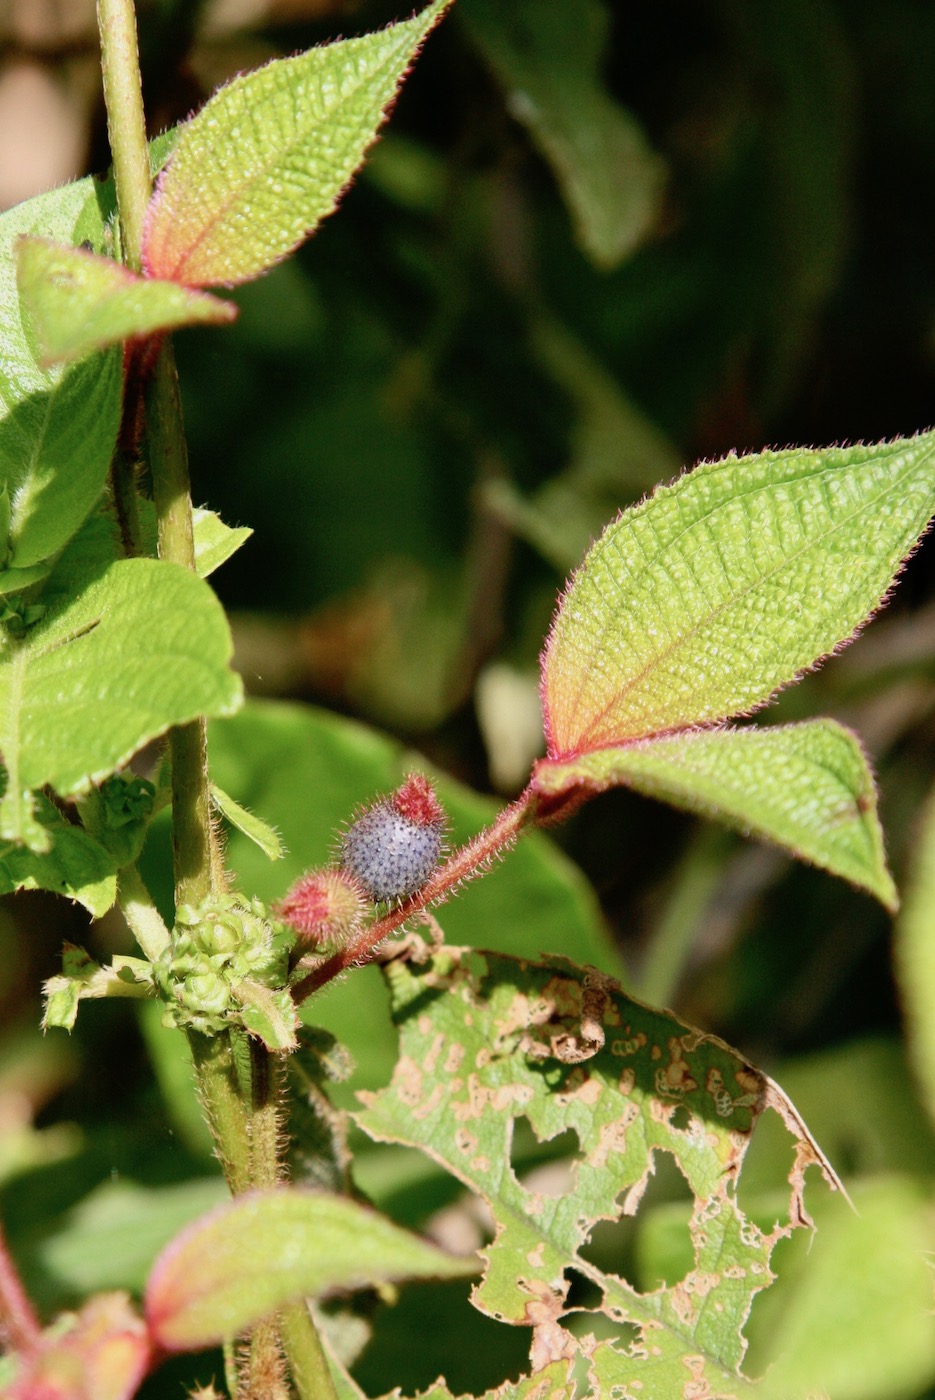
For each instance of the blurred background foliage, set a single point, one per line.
(597, 242)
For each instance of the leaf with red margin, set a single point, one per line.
(253, 1255)
(103, 1352)
(269, 156)
(78, 302)
(805, 787)
(703, 600)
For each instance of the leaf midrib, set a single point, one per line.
(586, 740)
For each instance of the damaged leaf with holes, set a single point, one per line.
(488, 1041)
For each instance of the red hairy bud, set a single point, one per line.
(324, 907)
(417, 801)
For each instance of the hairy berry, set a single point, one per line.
(392, 847)
(324, 907)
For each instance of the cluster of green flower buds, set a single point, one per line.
(215, 948)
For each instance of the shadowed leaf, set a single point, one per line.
(486, 1041)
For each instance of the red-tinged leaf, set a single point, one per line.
(270, 155)
(78, 302)
(101, 1354)
(703, 600)
(255, 1254)
(805, 787)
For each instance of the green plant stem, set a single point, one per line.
(694, 883)
(242, 1116)
(198, 864)
(264, 1363)
(266, 1077)
(142, 916)
(308, 1363)
(126, 123)
(224, 1106)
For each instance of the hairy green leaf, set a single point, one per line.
(215, 542)
(140, 646)
(78, 302)
(270, 154)
(268, 1014)
(553, 1382)
(256, 1253)
(703, 600)
(253, 827)
(57, 427)
(486, 1042)
(548, 59)
(72, 863)
(806, 787)
(82, 977)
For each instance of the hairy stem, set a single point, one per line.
(198, 864)
(126, 124)
(471, 860)
(264, 1368)
(224, 1106)
(19, 1327)
(240, 1102)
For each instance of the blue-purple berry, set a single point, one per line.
(393, 847)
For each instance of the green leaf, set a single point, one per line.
(487, 1042)
(60, 857)
(806, 787)
(137, 647)
(268, 1014)
(553, 1382)
(57, 427)
(266, 1249)
(78, 302)
(55, 451)
(868, 1277)
(548, 58)
(254, 828)
(703, 600)
(110, 1238)
(215, 542)
(81, 978)
(270, 154)
(16, 580)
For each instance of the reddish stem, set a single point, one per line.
(19, 1326)
(467, 862)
